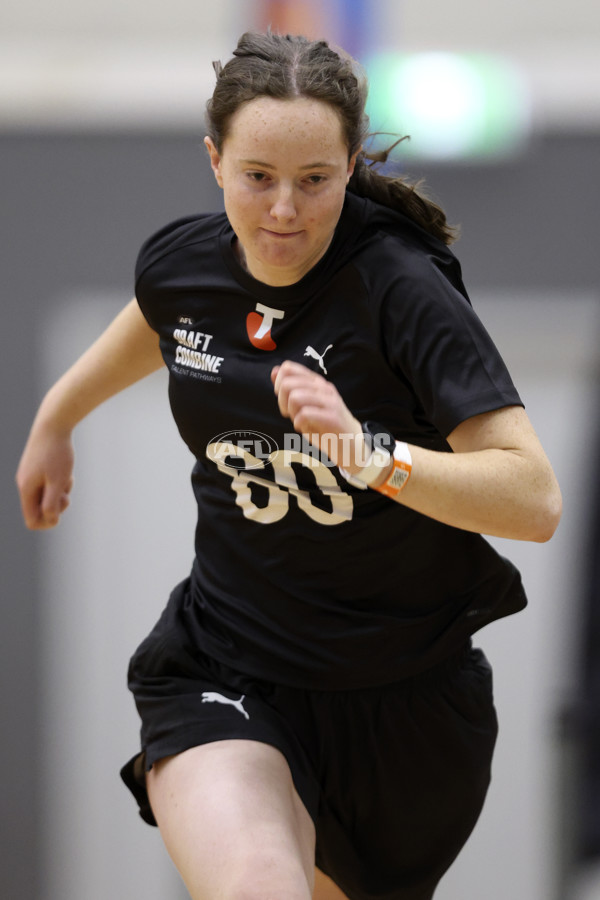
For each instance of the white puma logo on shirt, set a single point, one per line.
(213, 697)
(310, 351)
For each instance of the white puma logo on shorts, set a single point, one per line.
(213, 697)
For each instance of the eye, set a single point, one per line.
(258, 177)
(316, 179)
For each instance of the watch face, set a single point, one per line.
(378, 436)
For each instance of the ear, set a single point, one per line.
(351, 164)
(215, 160)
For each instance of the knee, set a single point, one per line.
(272, 892)
(274, 889)
(266, 878)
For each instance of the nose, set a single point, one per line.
(283, 208)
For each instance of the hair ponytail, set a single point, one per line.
(399, 194)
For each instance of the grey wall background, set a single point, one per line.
(82, 183)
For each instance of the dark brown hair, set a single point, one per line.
(288, 66)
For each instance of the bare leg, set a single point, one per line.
(325, 889)
(233, 823)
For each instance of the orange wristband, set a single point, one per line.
(400, 474)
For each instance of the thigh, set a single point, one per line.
(233, 823)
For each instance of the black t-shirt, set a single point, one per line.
(299, 577)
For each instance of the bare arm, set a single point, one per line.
(126, 352)
(498, 481)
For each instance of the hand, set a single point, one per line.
(317, 411)
(45, 476)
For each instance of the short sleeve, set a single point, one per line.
(435, 340)
(155, 269)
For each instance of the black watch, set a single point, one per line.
(380, 444)
(378, 437)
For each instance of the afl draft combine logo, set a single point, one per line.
(242, 449)
(259, 324)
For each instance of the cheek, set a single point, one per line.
(238, 205)
(320, 223)
(328, 214)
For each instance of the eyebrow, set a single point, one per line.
(264, 165)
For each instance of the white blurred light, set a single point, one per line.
(453, 106)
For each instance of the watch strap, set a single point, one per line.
(400, 473)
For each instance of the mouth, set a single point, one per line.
(281, 235)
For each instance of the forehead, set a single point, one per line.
(297, 123)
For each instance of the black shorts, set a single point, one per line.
(394, 777)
